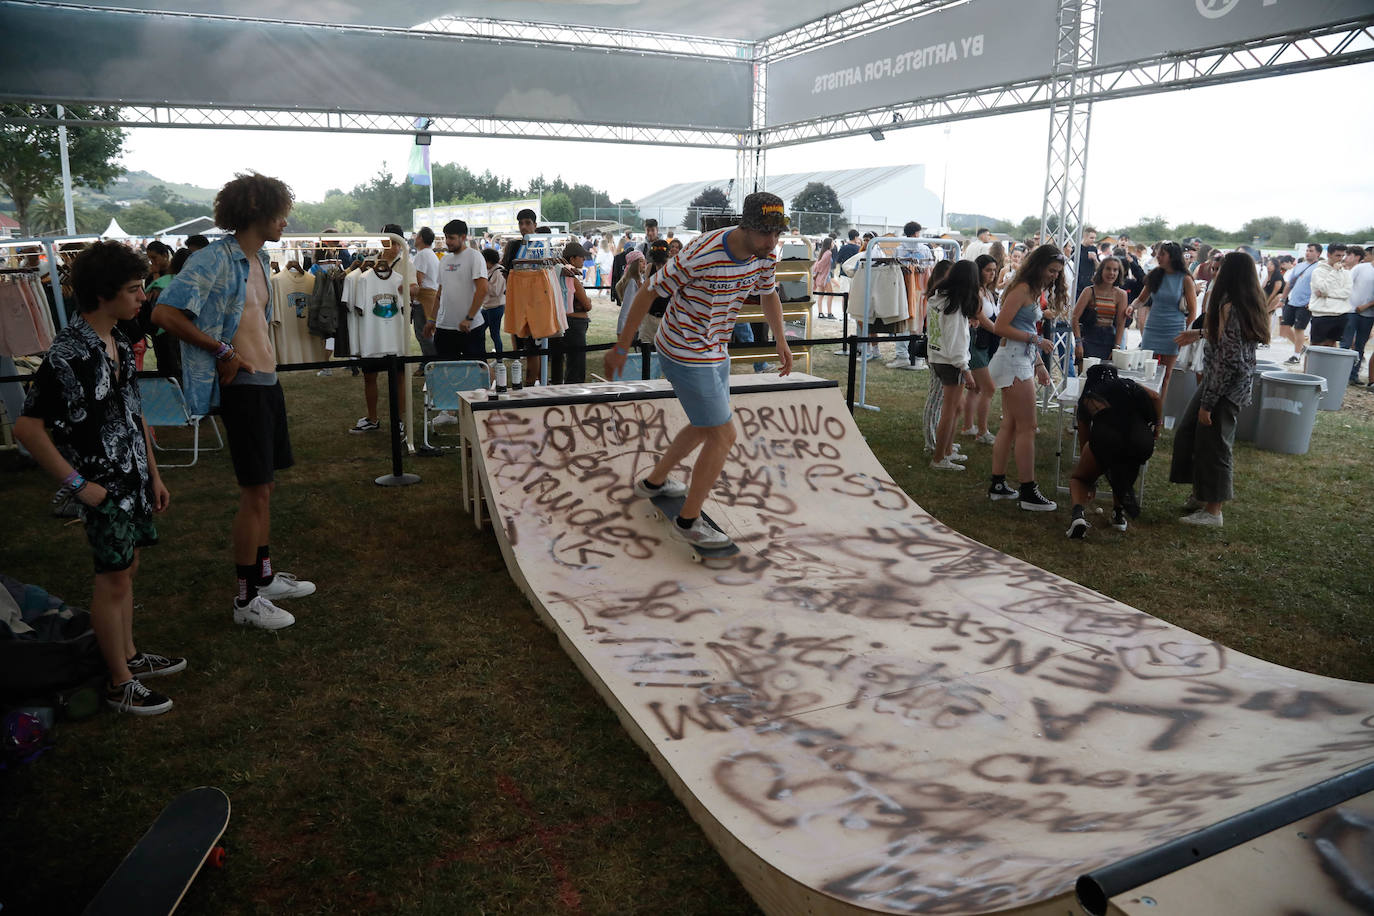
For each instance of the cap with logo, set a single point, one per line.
(764, 212)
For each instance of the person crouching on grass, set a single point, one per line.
(86, 390)
(1235, 322)
(1118, 423)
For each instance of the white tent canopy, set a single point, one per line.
(115, 231)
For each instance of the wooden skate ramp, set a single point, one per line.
(867, 711)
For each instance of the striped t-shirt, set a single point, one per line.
(705, 287)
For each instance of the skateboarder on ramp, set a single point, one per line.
(705, 285)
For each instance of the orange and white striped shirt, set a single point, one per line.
(705, 287)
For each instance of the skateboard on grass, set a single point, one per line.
(668, 508)
(158, 871)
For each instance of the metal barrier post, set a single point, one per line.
(397, 478)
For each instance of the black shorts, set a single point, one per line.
(946, 373)
(255, 425)
(1295, 316)
(1328, 327)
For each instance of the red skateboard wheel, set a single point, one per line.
(217, 857)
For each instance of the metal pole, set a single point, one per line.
(944, 181)
(397, 478)
(66, 170)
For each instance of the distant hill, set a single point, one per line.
(967, 222)
(134, 186)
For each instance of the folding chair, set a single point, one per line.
(444, 380)
(165, 405)
(634, 368)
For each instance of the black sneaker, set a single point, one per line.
(1000, 490)
(1032, 500)
(1119, 518)
(1292, 360)
(132, 697)
(1078, 528)
(149, 664)
(1130, 504)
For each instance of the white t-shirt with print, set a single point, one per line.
(459, 272)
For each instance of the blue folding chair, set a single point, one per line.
(164, 405)
(444, 380)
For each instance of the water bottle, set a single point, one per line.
(517, 375)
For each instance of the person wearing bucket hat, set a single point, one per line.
(705, 284)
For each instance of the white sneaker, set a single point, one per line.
(956, 456)
(987, 438)
(946, 465)
(971, 431)
(672, 488)
(262, 613)
(325, 373)
(700, 534)
(1202, 518)
(900, 363)
(285, 585)
(444, 418)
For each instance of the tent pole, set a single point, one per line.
(66, 170)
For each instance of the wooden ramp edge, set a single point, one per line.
(866, 711)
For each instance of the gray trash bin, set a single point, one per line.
(1288, 409)
(1334, 365)
(1182, 387)
(1247, 422)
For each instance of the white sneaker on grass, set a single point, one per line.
(444, 418)
(285, 585)
(971, 431)
(1203, 519)
(957, 456)
(672, 488)
(700, 534)
(987, 438)
(946, 465)
(262, 613)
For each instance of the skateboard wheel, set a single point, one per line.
(217, 856)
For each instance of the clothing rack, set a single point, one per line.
(881, 246)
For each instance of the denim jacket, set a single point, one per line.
(211, 289)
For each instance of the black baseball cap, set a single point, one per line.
(764, 212)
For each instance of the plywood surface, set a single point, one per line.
(881, 714)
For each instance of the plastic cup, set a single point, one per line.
(1121, 359)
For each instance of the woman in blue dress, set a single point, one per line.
(1171, 298)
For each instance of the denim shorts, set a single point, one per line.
(1012, 362)
(702, 389)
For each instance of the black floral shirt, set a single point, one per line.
(95, 414)
(1227, 365)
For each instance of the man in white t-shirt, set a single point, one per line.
(425, 291)
(457, 327)
(1361, 320)
(705, 284)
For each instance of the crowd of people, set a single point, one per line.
(996, 321)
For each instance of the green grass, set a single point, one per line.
(419, 743)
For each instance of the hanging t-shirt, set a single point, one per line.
(459, 272)
(378, 306)
(705, 286)
(291, 335)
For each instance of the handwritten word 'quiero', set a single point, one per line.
(883, 68)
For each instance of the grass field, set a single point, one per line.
(418, 743)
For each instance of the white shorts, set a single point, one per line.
(1010, 363)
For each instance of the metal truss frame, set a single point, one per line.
(1336, 45)
(1066, 165)
(751, 159)
(392, 123)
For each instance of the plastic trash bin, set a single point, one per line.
(1334, 365)
(1288, 409)
(1247, 422)
(1182, 387)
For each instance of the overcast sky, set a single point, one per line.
(1295, 146)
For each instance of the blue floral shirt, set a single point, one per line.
(211, 289)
